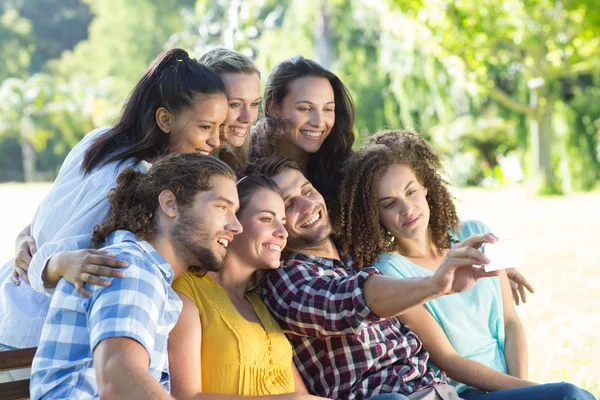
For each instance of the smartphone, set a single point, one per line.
(506, 253)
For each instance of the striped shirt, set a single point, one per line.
(343, 350)
(64, 220)
(141, 306)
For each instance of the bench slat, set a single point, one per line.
(15, 359)
(14, 390)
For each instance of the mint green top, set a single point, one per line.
(473, 320)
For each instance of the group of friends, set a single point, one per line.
(192, 252)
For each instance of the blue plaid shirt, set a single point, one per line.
(141, 306)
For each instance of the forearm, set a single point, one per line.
(120, 382)
(390, 297)
(478, 375)
(515, 350)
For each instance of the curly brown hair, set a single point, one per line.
(357, 225)
(133, 203)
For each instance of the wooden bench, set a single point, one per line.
(15, 359)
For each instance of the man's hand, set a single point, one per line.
(518, 283)
(459, 270)
(25, 248)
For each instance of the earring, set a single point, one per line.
(390, 238)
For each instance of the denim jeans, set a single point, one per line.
(388, 396)
(16, 374)
(549, 391)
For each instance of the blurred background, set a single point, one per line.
(508, 90)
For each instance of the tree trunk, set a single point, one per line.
(541, 139)
(323, 35)
(28, 160)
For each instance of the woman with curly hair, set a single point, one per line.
(397, 214)
(309, 117)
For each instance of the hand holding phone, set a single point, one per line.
(507, 253)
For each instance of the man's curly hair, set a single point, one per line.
(134, 201)
(358, 228)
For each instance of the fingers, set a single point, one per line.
(480, 273)
(15, 278)
(466, 256)
(104, 264)
(476, 241)
(23, 258)
(523, 294)
(80, 286)
(515, 294)
(32, 246)
(21, 273)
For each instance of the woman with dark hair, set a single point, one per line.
(309, 117)
(397, 214)
(242, 87)
(225, 341)
(177, 107)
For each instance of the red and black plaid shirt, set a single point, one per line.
(343, 350)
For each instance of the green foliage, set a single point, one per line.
(123, 38)
(16, 44)
(56, 25)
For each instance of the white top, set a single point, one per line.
(64, 220)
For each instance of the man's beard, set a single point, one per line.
(305, 242)
(191, 244)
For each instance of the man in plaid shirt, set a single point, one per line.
(348, 343)
(179, 216)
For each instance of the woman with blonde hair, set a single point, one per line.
(242, 87)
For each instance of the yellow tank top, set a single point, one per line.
(238, 357)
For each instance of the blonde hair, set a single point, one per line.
(226, 61)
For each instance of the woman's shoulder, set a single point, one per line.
(191, 285)
(470, 227)
(395, 265)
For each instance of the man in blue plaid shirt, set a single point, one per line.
(114, 343)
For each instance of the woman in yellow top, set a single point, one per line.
(225, 340)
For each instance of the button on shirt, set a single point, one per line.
(342, 349)
(141, 306)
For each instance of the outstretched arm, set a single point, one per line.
(447, 359)
(456, 274)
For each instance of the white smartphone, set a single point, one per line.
(506, 253)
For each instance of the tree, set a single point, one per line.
(16, 44)
(543, 41)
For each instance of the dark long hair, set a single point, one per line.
(324, 166)
(173, 81)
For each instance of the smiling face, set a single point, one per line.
(403, 207)
(196, 129)
(264, 235)
(205, 228)
(243, 96)
(307, 222)
(310, 108)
